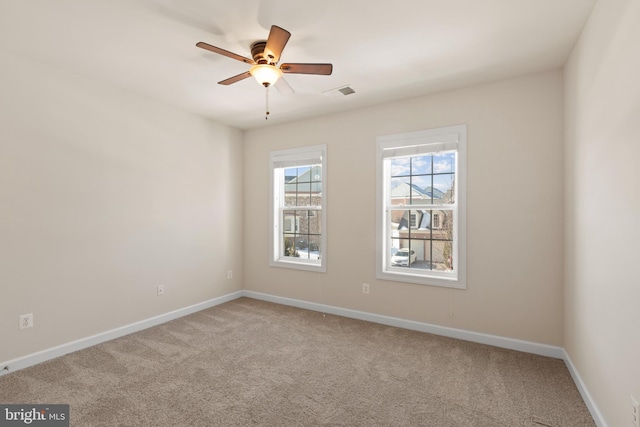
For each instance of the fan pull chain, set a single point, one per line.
(266, 116)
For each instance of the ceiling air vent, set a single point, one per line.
(339, 92)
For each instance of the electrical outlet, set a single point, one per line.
(26, 321)
(365, 288)
(160, 290)
(230, 274)
(635, 412)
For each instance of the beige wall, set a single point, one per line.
(515, 210)
(103, 196)
(602, 301)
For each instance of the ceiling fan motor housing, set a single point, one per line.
(257, 51)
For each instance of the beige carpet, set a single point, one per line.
(249, 362)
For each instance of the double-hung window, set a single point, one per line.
(298, 210)
(421, 207)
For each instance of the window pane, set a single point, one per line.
(440, 252)
(289, 222)
(421, 165)
(400, 191)
(303, 222)
(423, 219)
(442, 255)
(289, 246)
(304, 199)
(314, 222)
(316, 199)
(401, 166)
(316, 174)
(290, 174)
(314, 247)
(421, 186)
(442, 225)
(444, 163)
(303, 174)
(443, 188)
(302, 245)
(290, 196)
(420, 247)
(394, 246)
(402, 256)
(399, 220)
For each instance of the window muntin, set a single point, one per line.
(299, 226)
(421, 181)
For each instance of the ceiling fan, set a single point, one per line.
(266, 54)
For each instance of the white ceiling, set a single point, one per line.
(384, 50)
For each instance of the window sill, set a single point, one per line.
(422, 279)
(299, 265)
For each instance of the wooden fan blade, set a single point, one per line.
(234, 79)
(278, 38)
(323, 69)
(223, 52)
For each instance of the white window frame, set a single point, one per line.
(278, 161)
(430, 141)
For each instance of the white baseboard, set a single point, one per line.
(494, 340)
(61, 350)
(584, 392)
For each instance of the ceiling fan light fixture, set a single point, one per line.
(265, 74)
(266, 54)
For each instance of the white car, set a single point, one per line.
(403, 257)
